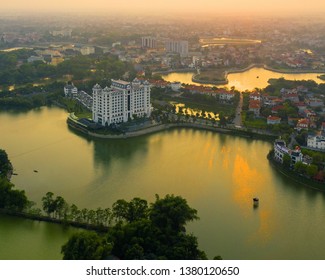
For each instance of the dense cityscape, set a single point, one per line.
(122, 87)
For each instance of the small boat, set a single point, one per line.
(256, 201)
(257, 77)
(15, 174)
(36, 171)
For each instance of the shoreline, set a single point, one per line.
(293, 177)
(75, 125)
(234, 71)
(46, 219)
(153, 129)
(164, 72)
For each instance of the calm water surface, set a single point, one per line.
(218, 175)
(248, 80)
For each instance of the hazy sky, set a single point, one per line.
(290, 7)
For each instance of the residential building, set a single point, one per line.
(255, 96)
(175, 86)
(280, 149)
(180, 47)
(34, 58)
(293, 121)
(226, 95)
(62, 33)
(255, 107)
(292, 96)
(301, 107)
(121, 101)
(315, 102)
(269, 101)
(56, 59)
(148, 42)
(87, 50)
(70, 90)
(276, 109)
(273, 120)
(316, 142)
(302, 124)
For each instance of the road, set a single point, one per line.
(237, 119)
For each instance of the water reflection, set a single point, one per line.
(246, 180)
(246, 80)
(217, 174)
(122, 150)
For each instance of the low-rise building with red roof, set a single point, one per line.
(273, 120)
(302, 124)
(255, 107)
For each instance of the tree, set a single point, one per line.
(5, 164)
(135, 252)
(286, 161)
(137, 209)
(74, 212)
(60, 207)
(120, 210)
(84, 215)
(171, 213)
(48, 203)
(300, 168)
(155, 232)
(311, 170)
(131, 211)
(10, 198)
(86, 246)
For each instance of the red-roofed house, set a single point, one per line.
(276, 109)
(302, 124)
(301, 106)
(255, 107)
(273, 120)
(255, 96)
(291, 96)
(302, 89)
(226, 95)
(293, 121)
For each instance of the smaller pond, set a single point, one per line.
(247, 80)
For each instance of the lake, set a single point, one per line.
(217, 174)
(248, 80)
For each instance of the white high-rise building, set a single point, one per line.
(148, 42)
(121, 101)
(180, 47)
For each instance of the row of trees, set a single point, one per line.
(58, 208)
(141, 231)
(309, 170)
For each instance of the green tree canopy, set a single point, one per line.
(171, 212)
(10, 198)
(86, 246)
(141, 232)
